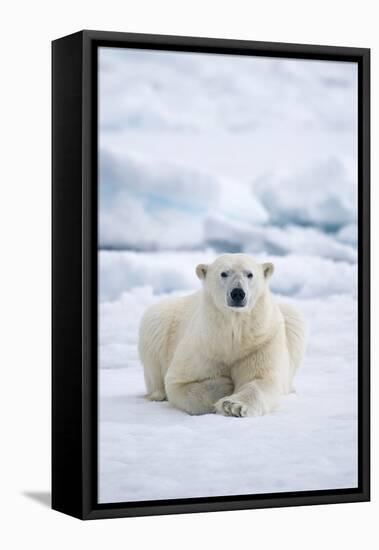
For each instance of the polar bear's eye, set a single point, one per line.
(224, 274)
(249, 275)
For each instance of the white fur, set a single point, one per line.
(204, 355)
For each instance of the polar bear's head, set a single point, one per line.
(235, 281)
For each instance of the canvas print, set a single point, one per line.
(227, 270)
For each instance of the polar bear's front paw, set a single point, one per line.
(234, 405)
(229, 406)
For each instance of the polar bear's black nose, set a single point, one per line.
(237, 294)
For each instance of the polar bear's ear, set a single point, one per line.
(201, 271)
(268, 269)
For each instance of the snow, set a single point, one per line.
(185, 138)
(237, 236)
(164, 272)
(189, 93)
(141, 198)
(202, 155)
(322, 195)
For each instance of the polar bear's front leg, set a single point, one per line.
(260, 379)
(259, 382)
(194, 382)
(198, 397)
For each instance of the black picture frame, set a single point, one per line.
(74, 273)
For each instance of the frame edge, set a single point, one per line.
(67, 386)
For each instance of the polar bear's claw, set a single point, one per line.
(229, 407)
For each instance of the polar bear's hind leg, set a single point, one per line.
(154, 380)
(149, 347)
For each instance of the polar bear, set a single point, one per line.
(229, 348)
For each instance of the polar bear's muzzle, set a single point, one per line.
(237, 297)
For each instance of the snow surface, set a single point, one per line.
(202, 155)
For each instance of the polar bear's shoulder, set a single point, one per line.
(172, 307)
(165, 322)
